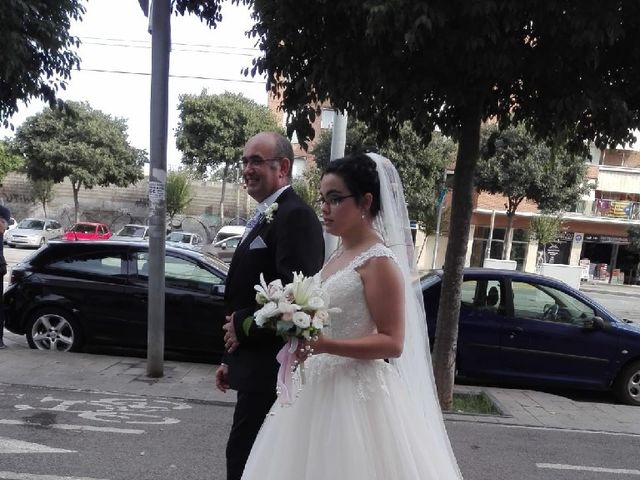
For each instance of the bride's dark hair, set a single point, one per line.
(360, 176)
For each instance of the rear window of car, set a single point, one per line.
(95, 263)
(83, 228)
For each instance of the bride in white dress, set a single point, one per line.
(359, 416)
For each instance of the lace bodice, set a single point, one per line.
(346, 292)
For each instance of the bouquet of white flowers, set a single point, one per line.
(297, 310)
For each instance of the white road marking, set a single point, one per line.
(10, 445)
(86, 428)
(583, 468)
(560, 429)
(33, 476)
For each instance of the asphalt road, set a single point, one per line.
(77, 435)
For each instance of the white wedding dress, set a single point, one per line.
(352, 419)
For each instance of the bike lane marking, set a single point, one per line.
(584, 468)
(33, 476)
(11, 445)
(65, 426)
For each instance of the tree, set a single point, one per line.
(634, 245)
(79, 143)
(178, 193)
(420, 164)
(545, 229)
(213, 129)
(37, 53)
(308, 186)
(42, 192)
(513, 163)
(9, 161)
(568, 67)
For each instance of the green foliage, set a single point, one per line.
(213, 129)
(84, 145)
(42, 192)
(9, 161)
(513, 163)
(178, 193)
(37, 53)
(308, 186)
(634, 238)
(420, 163)
(545, 228)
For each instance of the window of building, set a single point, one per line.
(327, 118)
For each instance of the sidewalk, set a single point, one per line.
(611, 289)
(192, 381)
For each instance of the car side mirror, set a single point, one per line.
(223, 246)
(217, 289)
(595, 323)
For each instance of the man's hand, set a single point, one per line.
(222, 383)
(230, 338)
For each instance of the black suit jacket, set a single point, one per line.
(294, 242)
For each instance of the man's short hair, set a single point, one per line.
(283, 149)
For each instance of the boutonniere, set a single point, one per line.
(268, 213)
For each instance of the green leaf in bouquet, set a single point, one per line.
(284, 328)
(246, 325)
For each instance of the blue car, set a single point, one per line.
(529, 329)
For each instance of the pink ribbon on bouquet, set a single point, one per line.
(286, 357)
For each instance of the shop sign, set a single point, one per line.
(606, 239)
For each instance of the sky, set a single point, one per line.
(114, 39)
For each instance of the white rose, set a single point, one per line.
(320, 319)
(316, 303)
(301, 319)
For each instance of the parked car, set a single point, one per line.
(228, 231)
(69, 295)
(10, 226)
(33, 232)
(87, 231)
(132, 232)
(535, 330)
(223, 249)
(183, 239)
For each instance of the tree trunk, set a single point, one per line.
(224, 189)
(444, 354)
(76, 205)
(44, 208)
(506, 246)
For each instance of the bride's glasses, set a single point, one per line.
(332, 201)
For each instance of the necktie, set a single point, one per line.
(253, 221)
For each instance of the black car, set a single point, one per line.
(69, 295)
(530, 329)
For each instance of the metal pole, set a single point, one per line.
(160, 50)
(440, 205)
(487, 253)
(614, 260)
(338, 142)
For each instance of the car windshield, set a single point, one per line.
(179, 237)
(83, 228)
(132, 231)
(30, 224)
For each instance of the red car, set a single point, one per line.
(88, 231)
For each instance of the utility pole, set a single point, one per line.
(338, 142)
(160, 51)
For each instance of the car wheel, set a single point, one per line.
(627, 385)
(43, 241)
(53, 329)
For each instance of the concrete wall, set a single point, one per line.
(117, 206)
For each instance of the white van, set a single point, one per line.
(228, 231)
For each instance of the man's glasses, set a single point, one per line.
(256, 161)
(332, 201)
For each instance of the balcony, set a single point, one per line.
(609, 208)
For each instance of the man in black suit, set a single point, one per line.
(284, 236)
